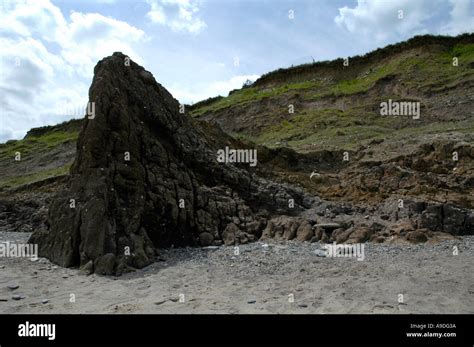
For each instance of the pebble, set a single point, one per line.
(17, 297)
(320, 252)
(44, 301)
(13, 286)
(302, 305)
(251, 301)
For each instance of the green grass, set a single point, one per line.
(248, 95)
(31, 145)
(329, 127)
(465, 51)
(17, 181)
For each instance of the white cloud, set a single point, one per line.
(201, 92)
(380, 19)
(462, 18)
(179, 15)
(47, 61)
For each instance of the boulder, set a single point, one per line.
(359, 235)
(416, 236)
(304, 232)
(206, 239)
(230, 233)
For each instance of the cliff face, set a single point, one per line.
(147, 176)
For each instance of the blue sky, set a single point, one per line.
(195, 48)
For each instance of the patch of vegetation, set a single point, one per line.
(336, 129)
(327, 128)
(17, 181)
(252, 94)
(34, 144)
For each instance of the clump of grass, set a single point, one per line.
(35, 144)
(17, 181)
(252, 94)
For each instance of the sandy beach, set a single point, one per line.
(274, 277)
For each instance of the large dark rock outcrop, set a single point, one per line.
(146, 176)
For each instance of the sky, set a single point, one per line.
(194, 48)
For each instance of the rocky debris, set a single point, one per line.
(284, 228)
(23, 212)
(146, 176)
(17, 297)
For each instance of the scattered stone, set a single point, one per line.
(251, 301)
(87, 268)
(105, 264)
(320, 252)
(17, 297)
(44, 301)
(13, 286)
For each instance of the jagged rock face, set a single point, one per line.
(146, 176)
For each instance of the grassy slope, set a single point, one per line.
(430, 72)
(36, 145)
